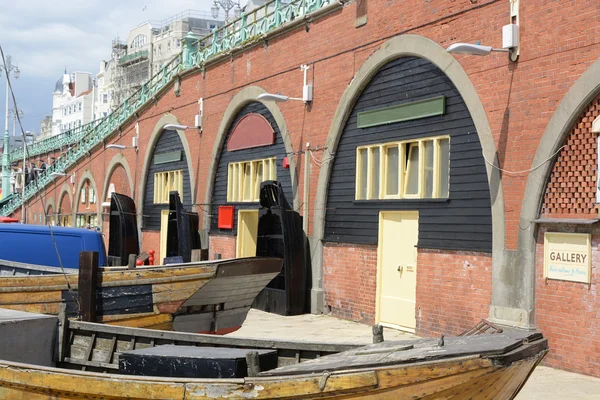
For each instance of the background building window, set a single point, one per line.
(244, 178)
(407, 169)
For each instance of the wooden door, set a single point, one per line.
(397, 269)
(247, 233)
(164, 224)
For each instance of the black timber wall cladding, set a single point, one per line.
(219, 195)
(167, 142)
(462, 222)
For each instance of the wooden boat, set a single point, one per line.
(207, 296)
(466, 367)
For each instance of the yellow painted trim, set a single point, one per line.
(236, 178)
(240, 237)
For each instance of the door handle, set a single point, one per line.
(400, 268)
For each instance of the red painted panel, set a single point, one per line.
(225, 219)
(253, 130)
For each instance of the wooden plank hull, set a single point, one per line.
(210, 296)
(464, 378)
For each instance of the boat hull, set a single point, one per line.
(469, 377)
(210, 296)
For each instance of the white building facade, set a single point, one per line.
(72, 102)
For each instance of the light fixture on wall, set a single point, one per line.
(176, 127)
(58, 174)
(134, 145)
(307, 91)
(510, 39)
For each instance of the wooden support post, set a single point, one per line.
(377, 333)
(63, 332)
(132, 261)
(88, 278)
(252, 363)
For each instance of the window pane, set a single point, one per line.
(412, 170)
(444, 167)
(428, 149)
(375, 173)
(247, 182)
(391, 165)
(362, 171)
(273, 169)
(259, 178)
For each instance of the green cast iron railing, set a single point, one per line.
(196, 52)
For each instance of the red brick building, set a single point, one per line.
(459, 164)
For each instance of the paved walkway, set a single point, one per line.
(544, 384)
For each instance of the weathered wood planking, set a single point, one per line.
(150, 297)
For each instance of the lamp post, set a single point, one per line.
(7, 68)
(226, 5)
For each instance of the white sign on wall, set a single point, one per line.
(567, 256)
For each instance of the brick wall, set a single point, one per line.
(221, 244)
(350, 281)
(571, 190)
(454, 290)
(568, 313)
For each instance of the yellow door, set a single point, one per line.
(397, 269)
(164, 223)
(247, 233)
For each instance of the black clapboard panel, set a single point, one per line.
(277, 149)
(461, 222)
(116, 300)
(168, 142)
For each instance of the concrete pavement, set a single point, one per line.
(544, 384)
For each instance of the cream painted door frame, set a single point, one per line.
(247, 233)
(164, 225)
(397, 269)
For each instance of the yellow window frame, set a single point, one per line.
(243, 183)
(404, 165)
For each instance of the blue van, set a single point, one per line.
(33, 244)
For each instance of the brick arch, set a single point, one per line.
(65, 193)
(571, 191)
(50, 209)
(237, 103)
(118, 161)
(87, 176)
(578, 98)
(419, 46)
(156, 132)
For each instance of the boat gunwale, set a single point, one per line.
(258, 379)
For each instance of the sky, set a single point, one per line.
(45, 36)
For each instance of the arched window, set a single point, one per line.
(138, 41)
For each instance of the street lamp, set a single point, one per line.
(16, 114)
(7, 68)
(226, 5)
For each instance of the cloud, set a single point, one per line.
(45, 36)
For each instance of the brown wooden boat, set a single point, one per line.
(466, 367)
(206, 296)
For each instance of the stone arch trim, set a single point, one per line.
(87, 175)
(65, 190)
(581, 93)
(241, 99)
(405, 45)
(49, 203)
(156, 132)
(118, 160)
